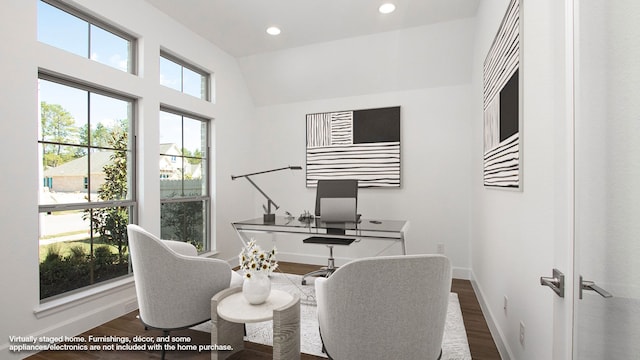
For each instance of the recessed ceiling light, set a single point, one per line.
(273, 30)
(387, 8)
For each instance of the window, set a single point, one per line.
(87, 199)
(178, 75)
(184, 184)
(72, 31)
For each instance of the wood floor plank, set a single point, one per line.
(481, 343)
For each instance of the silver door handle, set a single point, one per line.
(556, 283)
(591, 286)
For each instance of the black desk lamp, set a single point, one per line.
(268, 216)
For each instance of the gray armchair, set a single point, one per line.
(174, 286)
(390, 307)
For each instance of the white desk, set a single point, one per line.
(389, 230)
(230, 310)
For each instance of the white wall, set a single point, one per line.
(22, 56)
(434, 195)
(514, 234)
(435, 133)
(410, 59)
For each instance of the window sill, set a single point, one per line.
(211, 254)
(55, 306)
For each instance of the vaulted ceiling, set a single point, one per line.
(239, 26)
(335, 48)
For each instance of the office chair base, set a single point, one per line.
(325, 271)
(331, 262)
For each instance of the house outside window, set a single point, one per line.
(184, 77)
(184, 183)
(87, 199)
(68, 29)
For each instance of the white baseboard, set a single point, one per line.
(461, 273)
(498, 337)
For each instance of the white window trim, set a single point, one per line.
(73, 300)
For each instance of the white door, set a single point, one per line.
(607, 179)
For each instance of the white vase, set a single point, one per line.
(257, 288)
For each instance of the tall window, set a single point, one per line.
(186, 78)
(184, 184)
(70, 30)
(87, 196)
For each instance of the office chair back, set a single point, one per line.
(339, 188)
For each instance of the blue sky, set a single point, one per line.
(104, 109)
(67, 32)
(70, 33)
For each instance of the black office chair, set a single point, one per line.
(331, 189)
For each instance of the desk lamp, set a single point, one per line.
(268, 217)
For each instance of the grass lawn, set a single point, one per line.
(64, 247)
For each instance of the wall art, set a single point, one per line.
(502, 95)
(355, 144)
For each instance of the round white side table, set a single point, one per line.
(230, 310)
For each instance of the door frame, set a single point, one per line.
(564, 251)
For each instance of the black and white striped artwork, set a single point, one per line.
(501, 95)
(357, 144)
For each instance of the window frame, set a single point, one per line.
(92, 20)
(44, 75)
(131, 202)
(186, 64)
(207, 198)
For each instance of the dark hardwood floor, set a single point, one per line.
(481, 343)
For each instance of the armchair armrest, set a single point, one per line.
(321, 299)
(181, 247)
(321, 288)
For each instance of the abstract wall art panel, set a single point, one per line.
(355, 144)
(502, 109)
